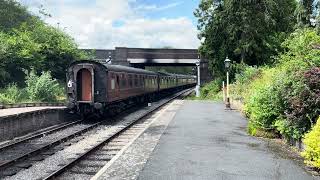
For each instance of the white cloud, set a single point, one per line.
(92, 25)
(157, 8)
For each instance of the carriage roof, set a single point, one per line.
(116, 68)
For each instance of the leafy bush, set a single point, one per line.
(312, 150)
(42, 88)
(242, 79)
(304, 108)
(212, 87)
(11, 94)
(212, 90)
(263, 101)
(285, 97)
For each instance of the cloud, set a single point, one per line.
(98, 24)
(154, 7)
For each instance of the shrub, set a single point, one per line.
(212, 90)
(10, 94)
(42, 88)
(263, 99)
(242, 80)
(282, 101)
(305, 107)
(312, 149)
(285, 97)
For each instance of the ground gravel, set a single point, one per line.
(43, 168)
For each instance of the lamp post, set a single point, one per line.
(198, 82)
(227, 64)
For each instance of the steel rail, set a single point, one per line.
(37, 135)
(63, 168)
(6, 164)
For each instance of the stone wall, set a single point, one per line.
(24, 123)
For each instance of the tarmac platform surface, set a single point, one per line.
(205, 141)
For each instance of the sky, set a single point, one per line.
(106, 24)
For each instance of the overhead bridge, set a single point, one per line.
(142, 57)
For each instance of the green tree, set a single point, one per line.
(26, 43)
(12, 15)
(19, 52)
(56, 48)
(304, 11)
(246, 31)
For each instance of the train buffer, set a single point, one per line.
(201, 140)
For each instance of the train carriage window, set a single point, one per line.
(123, 81)
(136, 80)
(118, 81)
(112, 81)
(112, 84)
(140, 80)
(143, 81)
(148, 82)
(130, 80)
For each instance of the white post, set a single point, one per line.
(227, 84)
(223, 92)
(228, 106)
(199, 76)
(198, 82)
(227, 64)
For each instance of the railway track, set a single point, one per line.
(37, 134)
(84, 164)
(88, 163)
(18, 155)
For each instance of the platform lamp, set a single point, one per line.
(227, 64)
(198, 82)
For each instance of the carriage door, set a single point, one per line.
(84, 85)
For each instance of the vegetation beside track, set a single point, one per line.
(28, 44)
(282, 99)
(276, 67)
(39, 88)
(210, 91)
(312, 142)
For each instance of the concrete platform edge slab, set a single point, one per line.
(133, 157)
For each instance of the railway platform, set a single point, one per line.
(202, 140)
(18, 122)
(22, 110)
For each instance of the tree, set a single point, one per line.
(12, 15)
(246, 31)
(26, 43)
(304, 13)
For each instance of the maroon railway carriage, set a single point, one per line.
(95, 87)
